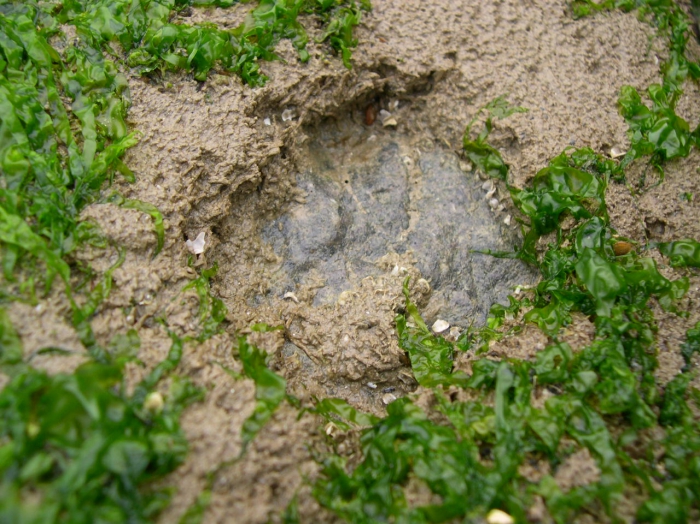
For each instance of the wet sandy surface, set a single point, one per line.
(278, 219)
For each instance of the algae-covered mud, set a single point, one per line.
(275, 302)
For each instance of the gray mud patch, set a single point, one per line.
(354, 211)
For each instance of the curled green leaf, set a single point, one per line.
(681, 253)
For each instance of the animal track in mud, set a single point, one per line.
(357, 212)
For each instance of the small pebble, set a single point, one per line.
(370, 114)
(493, 204)
(622, 248)
(371, 385)
(154, 402)
(267, 122)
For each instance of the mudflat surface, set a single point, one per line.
(353, 215)
(279, 218)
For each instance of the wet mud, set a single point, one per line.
(315, 219)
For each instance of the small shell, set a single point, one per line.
(331, 429)
(267, 121)
(622, 248)
(465, 166)
(405, 376)
(371, 385)
(387, 119)
(493, 203)
(290, 296)
(440, 326)
(196, 246)
(344, 297)
(616, 152)
(388, 398)
(496, 516)
(370, 114)
(507, 220)
(398, 270)
(423, 286)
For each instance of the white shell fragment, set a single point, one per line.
(491, 190)
(371, 385)
(388, 398)
(290, 296)
(267, 121)
(398, 270)
(287, 115)
(507, 220)
(440, 326)
(616, 152)
(496, 516)
(387, 119)
(331, 429)
(493, 204)
(196, 246)
(345, 297)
